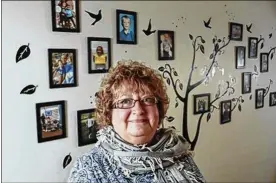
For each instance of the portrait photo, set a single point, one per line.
(264, 62)
(51, 123)
(259, 98)
(65, 15)
(240, 57)
(246, 82)
(165, 45)
(126, 23)
(202, 103)
(62, 68)
(235, 31)
(99, 54)
(87, 127)
(225, 111)
(272, 99)
(252, 47)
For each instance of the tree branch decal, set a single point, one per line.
(268, 88)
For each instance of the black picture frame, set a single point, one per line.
(86, 130)
(240, 58)
(264, 63)
(168, 37)
(94, 43)
(62, 68)
(128, 16)
(252, 47)
(225, 113)
(272, 99)
(235, 31)
(50, 120)
(64, 16)
(246, 82)
(259, 98)
(200, 103)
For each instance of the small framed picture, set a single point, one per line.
(202, 103)
(264, 66)
(165, 45)
(65, 15)
(126, 27)
(259, 98)
(246, 82)
(225, 111)
(62, 68)
(99, 54)
(252, 47)
(272, 99)
(235, 31)
(51, 123)
(87, 127)
(240, 57)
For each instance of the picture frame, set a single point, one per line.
(225, 111)
(272, 99)
(87, 127)
(240, 57)
(202, 103)
(246, 82)
(50, 120)
(252, 47)
(126, 27)
(65, 16)
(62, 68)
(235, 31)
(259, 98)
(166, 46)
(264, 63)
(99, 54)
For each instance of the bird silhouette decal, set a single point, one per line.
(207, 24)
(149, 31)
(97, 17)
(270, 35)
(248, 28)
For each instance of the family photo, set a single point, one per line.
(272, 99)
(264, 62)
(252, 47)
(165, 45)
(240, 57)
(246, 82)
(201, 103)
(225, 111)
(235, 31)
(259, 98)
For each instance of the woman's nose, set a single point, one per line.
(138, 107)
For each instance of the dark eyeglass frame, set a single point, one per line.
(116, 104)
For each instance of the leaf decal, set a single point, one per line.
(219, 40)
(202, 40)
(271, 81)
(176, 104)
(23, 52)
(161, 68)
(239, 107)
(208, 116)
(201, 48)
(262, 45)
(170, 119)
(211, 56)
(30, 89)
(255, 68)
(191, 37)
(233, 99)
(242, 100)
(214, 40)
(250, 97)
(271, 57)
(168, 81)
(175, 73)
(216, 47)
(181, 86)
(67, 160)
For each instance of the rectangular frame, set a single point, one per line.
(132, 16)
(252, 46)
(160, 43)
(231, 32)
(60, 70)
(244, 91)
(256, 98)
(237, 56)
(272, 102)
(262, 69)
(54, 124)
(222, 113)
(208, 95)
(58, 11)
(92, 67)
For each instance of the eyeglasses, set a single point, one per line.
(128, 103)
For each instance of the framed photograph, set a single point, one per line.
(126, 27)
(264, 66)
(51, 123)
(252, 47)
(87, 127)
(165, 45)
(65, 15)
(202, 103)
(272, 99)
(235, 31)
(246, 82)
(259, 98)
(225, 111)
(62, 68)
(240, 57)
(99, 54)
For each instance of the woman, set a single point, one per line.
(131, 146)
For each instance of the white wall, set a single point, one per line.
(243, 150)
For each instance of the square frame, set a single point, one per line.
(92, 66)
(54, 128)
(169, 34)
(262, 68)
(61, 12)
(89, 127)
(225, 113)
(132, 16)
(238, 51)
(272, 102)
(203, 105)
(232, 33)
(61, 72)
(257, 97)
(244, 84)
(252, 47)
